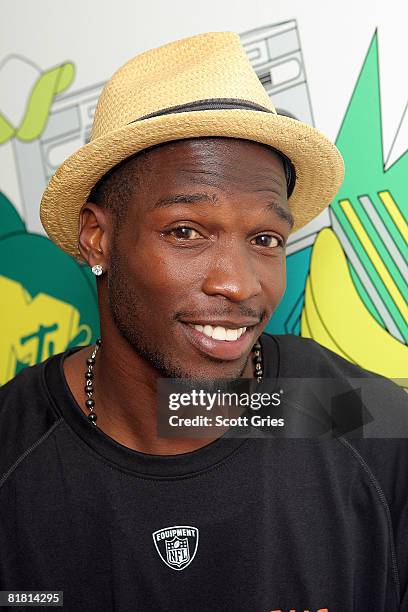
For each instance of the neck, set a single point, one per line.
(125, 398)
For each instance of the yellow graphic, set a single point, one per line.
(32, 329)
(334, 315)
(48, 85)
(394, 213)
(375, 258)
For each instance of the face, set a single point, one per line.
(203, 244)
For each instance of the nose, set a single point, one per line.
(231, 273)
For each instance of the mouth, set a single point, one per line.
(226, 343)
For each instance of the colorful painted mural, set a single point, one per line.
(48, 300)
(347, 271)
(354, 300)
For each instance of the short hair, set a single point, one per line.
(115, 189)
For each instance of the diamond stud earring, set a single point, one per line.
(97, 270)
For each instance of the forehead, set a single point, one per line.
(205, 148)
(195, 171)
(236, 161)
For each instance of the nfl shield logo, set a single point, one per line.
(177, 545)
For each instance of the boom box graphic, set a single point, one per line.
(275, 53)
(67, 129)
(276, 56)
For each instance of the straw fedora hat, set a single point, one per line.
(199, 86)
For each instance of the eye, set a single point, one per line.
(183, 232)
(270, 241)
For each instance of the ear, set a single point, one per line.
(93, 235)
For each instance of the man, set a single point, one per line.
(182, 204)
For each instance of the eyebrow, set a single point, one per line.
(193, 198)
(282, 213)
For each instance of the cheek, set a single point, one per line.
(158, 272)
(281, 275)
(273, 276)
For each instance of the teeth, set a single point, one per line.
(220, 333)
(207, 330)
(232, 334)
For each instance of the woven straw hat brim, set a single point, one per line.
(318, 163)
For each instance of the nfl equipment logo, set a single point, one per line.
(177, 546)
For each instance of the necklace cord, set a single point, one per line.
(89, 375)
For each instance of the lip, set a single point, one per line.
(223, 349)
(224, 323)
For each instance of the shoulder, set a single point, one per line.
(26, 415)
(306, 357)
(381, 448)
(24, 393)
(386, 401)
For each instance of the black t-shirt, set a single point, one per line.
(241, 524)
